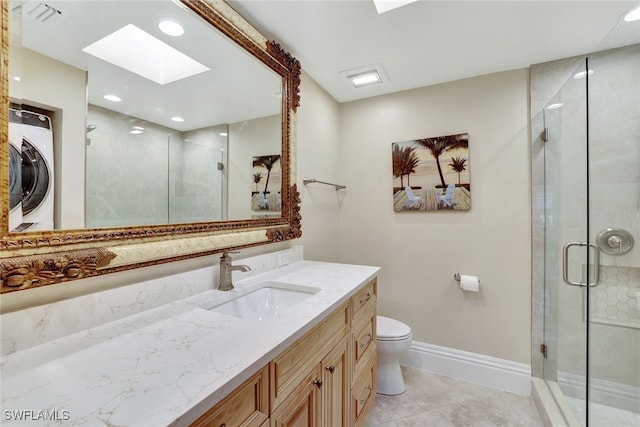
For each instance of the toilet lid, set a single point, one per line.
(391, 329)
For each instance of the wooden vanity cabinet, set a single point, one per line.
(326, 378)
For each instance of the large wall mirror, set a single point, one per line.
(138, 132)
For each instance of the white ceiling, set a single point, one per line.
(429, 42)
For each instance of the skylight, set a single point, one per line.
(140, 53)
(383, 6)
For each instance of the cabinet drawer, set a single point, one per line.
(247, 406)
(365, 299)
(289, 368)
(363, 392)
(364, 344)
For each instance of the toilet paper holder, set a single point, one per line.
(456, 277)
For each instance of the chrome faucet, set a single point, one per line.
(225, 271)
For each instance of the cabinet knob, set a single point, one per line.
(364, 344)
(330, 369)
(317, 383)
(365, 299)
(364, 399)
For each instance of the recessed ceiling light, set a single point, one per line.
(383, 6)
(171, 28)
(223, 134)
(112, 98)
(634, 15)
(140, 53)
(16, 78)
(583, 74)
(365, 79)
(137, 127)
(177, 119)
(555, 106)
(136, 132)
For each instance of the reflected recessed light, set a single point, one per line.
(112, 98)
(171, 28)
(140, 53)
(583, 74)
(555, 106)
(136, 132)
(634, 15)
(177, 119)
(137, 127)
(365, 79)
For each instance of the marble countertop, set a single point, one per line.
(168, 365)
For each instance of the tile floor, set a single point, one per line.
(436, 400)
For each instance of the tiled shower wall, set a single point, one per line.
(616, 299)
(158, 176)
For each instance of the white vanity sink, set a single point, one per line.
(266, 301)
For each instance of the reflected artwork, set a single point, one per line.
(267, 182)
(431, 174)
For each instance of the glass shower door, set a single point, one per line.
(566, 246)
(614, 224)
(592, 269)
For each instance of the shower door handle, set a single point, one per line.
(596, 263)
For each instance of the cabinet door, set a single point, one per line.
(247, 406)
(289, 368)
(302, 407)
(336, 381)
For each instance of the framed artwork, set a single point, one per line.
(267, 182)
(431, 174)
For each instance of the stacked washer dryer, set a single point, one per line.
(30, 171)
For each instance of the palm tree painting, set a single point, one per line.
(405, 161)
(458, 165)
(257, 177)
(266, 169)
(421, 179)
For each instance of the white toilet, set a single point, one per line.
(394, 340)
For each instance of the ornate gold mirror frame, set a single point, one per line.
(33, 259)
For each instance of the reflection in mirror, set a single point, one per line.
(124, 140)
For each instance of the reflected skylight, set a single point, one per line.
(140, 53)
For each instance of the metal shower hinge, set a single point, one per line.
(544, 135)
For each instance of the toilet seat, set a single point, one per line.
(391, 330)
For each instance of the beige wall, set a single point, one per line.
(318, 149)
(418, 251)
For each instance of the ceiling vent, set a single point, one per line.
(42, 13)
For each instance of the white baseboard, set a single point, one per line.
(604, 392)
(476, 368)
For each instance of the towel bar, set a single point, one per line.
(306, 181)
